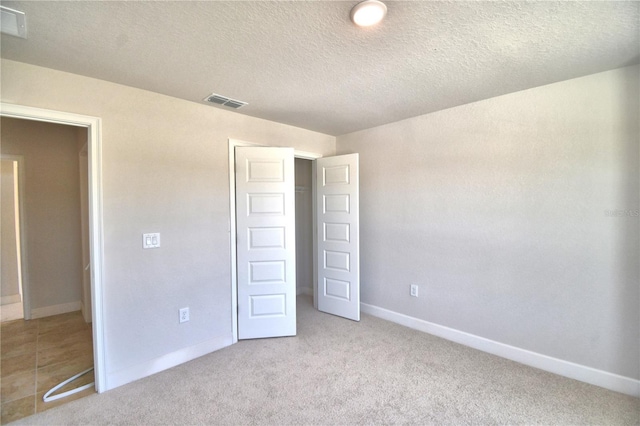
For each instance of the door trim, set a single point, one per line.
(232, 222)
(94, 134)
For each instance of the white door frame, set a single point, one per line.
(24, 272)
(83, 162)
(232, 222)
(93, 126)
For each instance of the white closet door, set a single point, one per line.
(338, 251)
(265, 214)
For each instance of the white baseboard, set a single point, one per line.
(12, 298)
(165, 362)
(11, 312)
(47, 311)
(568, 369)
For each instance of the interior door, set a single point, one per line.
(338, 251)
(265, 217)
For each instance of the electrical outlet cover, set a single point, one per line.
(184, 314)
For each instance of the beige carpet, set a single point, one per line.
(340, 372)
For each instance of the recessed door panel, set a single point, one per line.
(336, 260)
(267, 272)
(270, 305)
(265, 204)
(337, 289)
(267, 238)
(338, 203)
(336, 175)
(265, 171)
(336, 232)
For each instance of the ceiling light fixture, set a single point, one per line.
(368, 12)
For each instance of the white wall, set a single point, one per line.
(304, 227)
(165, 169)
(498, 211)
(52, 210)
(10, 286)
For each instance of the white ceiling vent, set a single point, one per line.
(13, 22)
(222, 100)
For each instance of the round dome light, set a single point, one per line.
(368, 12)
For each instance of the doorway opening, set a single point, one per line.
(304, 226)
(51, 247)
(45, 217)
(92, 130)
(233, 224)
(264, 230)
(12, 298)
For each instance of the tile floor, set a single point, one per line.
(38, 354)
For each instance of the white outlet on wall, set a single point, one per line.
(184, 314)
(414, 290)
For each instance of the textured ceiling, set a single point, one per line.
(305, 64)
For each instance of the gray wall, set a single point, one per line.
(304, 228)
(498, 211)
(165, 169)
(52, 208)
(10, 287)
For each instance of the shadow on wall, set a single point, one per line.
(304, 227)
(627, 221)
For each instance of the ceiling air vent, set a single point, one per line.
(222, 100)
(13, 22)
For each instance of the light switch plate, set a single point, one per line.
(151, 240)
